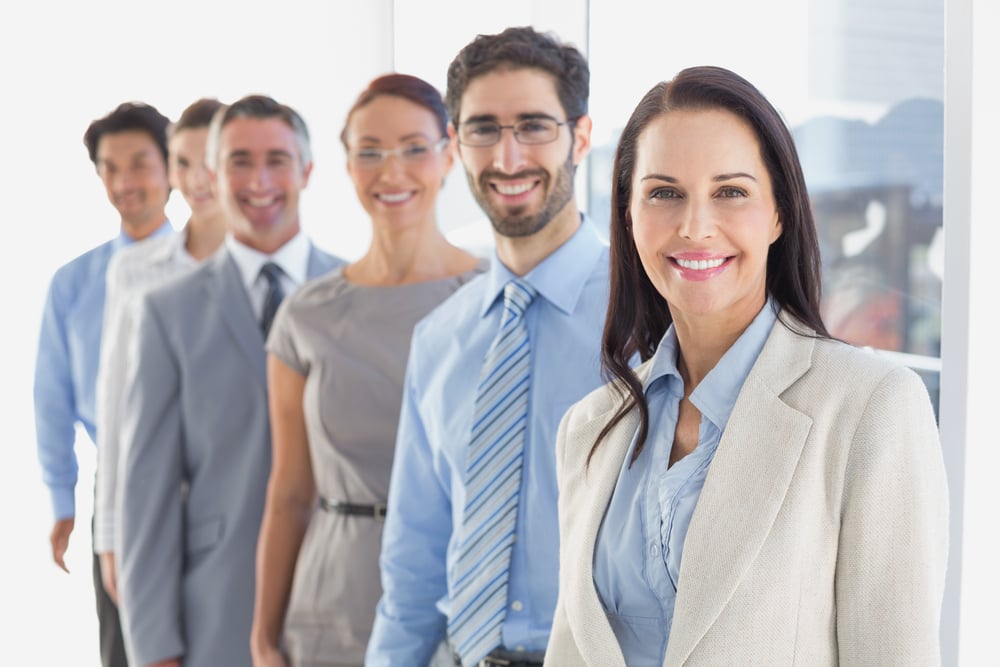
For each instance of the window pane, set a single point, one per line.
(861, 86)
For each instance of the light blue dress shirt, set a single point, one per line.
(637, 559)
(69, 347)
(427, 492)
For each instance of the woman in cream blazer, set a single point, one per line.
(820, 534)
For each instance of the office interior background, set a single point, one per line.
(890, 102)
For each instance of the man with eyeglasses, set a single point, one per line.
(470, 548)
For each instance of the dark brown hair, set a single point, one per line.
(521, 48)
(411, 88)
(638, 316)
(128, 117)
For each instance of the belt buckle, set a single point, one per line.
(490, 661)
(378, 512)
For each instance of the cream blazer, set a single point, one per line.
(821, 534)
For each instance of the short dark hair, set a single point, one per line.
(521, 48)
(406, 86)
(261, 107)
(638, 316)
(197, 115)
(128, 117)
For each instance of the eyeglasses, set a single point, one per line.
(530, 131)
(370, 157)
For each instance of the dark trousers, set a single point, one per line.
(109, 625)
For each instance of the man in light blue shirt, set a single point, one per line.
(129, 149)
(518, 102)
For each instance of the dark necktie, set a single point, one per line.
(493, 480)
(272, 273)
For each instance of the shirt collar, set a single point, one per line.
(293, 258)
(715, 396)
(560, 277)
(124, 239)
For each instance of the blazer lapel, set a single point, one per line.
(230, 294)
(744, 490)
(585, 614)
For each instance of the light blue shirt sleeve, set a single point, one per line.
(66, 366)
(409, 621)
(427, 493)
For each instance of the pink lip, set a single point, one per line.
(697, 275)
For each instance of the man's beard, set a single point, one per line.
(514, 222)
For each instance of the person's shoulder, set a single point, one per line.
(842, 358)
(184, 286)
(95, 258)
(319, 291)
(461, 308)
(326, 260)
(135, 260)
(842, 373)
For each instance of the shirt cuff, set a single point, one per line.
(63, 502)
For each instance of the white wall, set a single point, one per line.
(62, 64)
(65, 63)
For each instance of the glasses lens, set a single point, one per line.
(479, 133)
(368, 157)
(536, 130)
(415, 152)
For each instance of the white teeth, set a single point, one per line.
(700, 264)
(394, 198)
(260, 201)
(511, 190)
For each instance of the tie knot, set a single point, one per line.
(517, 296)
(271, 272)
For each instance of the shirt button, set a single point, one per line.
(517, 605)
(654, 548)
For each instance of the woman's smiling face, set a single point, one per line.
(703, 214)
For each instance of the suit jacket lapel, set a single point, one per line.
(228, 291)
(584, 611)
(744, 490)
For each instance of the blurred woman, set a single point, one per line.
(133, 272)
(755, 492)
(337, 356)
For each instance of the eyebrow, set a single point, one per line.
(406, 137)
(717, 179)
(243, 152)
(492, 118)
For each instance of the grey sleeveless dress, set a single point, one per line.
(351, 342)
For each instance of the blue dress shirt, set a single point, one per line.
(69, 348)
(427, 493)
(637, 559)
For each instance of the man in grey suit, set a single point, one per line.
(196, 436)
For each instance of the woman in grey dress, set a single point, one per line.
(337, 356)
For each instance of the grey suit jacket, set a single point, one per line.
(196, 459)
(820, 537)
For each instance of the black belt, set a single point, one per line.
(376, 511)
(490, 661)
(504, 658)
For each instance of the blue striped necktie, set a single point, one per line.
(492, 482)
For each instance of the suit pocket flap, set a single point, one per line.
(204, 534)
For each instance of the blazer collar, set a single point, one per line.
(745, 487)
